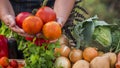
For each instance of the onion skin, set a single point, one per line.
(75, 55)
(63, 50)
(62, 62)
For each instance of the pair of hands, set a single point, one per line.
(9, 20)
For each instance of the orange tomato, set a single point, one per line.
(32, 25)
(52, 30)
(4, 61)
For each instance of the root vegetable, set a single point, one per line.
(112, 57)
(100, 62)
(62, 62)
(118, 61)
(75, 55)
(89, 53)
(81, 64)
(63, 50)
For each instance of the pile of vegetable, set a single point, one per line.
(89, 57)
(40, 53)
(96, 43)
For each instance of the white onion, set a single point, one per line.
(62, 62)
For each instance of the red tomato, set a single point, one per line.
(46, 14)
(29, 38)
(9, 66)
(38, 41)
(20, 17)
(14, 63)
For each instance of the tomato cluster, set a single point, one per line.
(5, 63)
(38, 23)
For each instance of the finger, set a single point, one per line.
(20, 29)
(52, 41)
(26, 35)
(16, 29)
(11, 20)
(5, 20)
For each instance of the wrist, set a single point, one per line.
(60, 20)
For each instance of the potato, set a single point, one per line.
(81, 64)
(100, 62)
(112, 57)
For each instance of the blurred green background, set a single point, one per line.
(108, 10)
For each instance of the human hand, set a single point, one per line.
(9, 21)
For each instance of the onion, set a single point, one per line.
(90, 53)
(75, 55)
(63, 50)
(81, 64)
(62, 62)
(63, 40)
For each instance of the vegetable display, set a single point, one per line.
(95, 43)
(41, 53)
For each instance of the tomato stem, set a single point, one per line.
(44, 3)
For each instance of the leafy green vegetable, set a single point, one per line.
(89, 28)
(102, 34)
(76, 33)
(92, 29)
(39, 56)
(115, 47)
